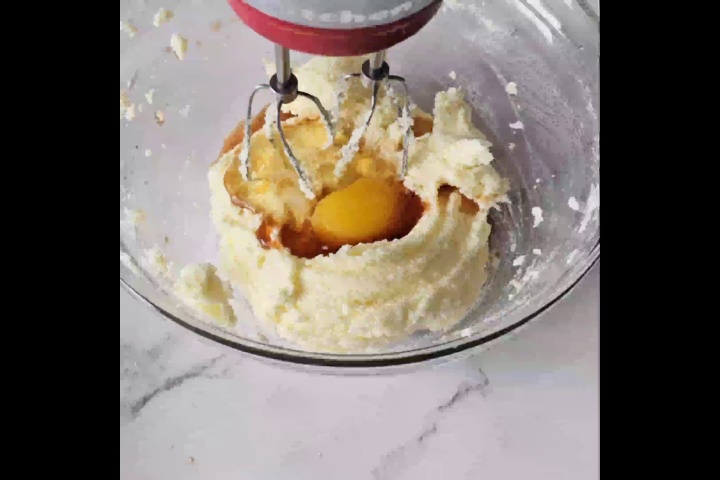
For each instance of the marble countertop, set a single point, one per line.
(525, 409)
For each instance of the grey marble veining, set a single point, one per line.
(527, 408)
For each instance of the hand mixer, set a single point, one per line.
(332, 28)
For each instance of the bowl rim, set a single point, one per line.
(298, 357)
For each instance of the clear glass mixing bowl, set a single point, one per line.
(550, 49)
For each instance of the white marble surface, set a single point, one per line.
(192, 410)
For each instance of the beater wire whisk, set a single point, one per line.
(377, 71)
(285, 85)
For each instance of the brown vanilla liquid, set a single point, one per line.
(304, 243)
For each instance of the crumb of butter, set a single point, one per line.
(130, 113)
(156, 262)
(149, 95)
(453, 75)
(179, 45)
(127, 108)
(537, 213)
(573, 203)
(200, 288)
(160, 117)
(511, 88)
(134, 217)
(162, 16)
(124, 99)
(128, 28)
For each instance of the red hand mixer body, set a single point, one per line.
(336, 27)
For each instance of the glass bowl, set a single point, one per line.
(549, 49)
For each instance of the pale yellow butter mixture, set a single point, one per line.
(423, 263)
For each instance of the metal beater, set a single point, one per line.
(343, 28)
(284, 83)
